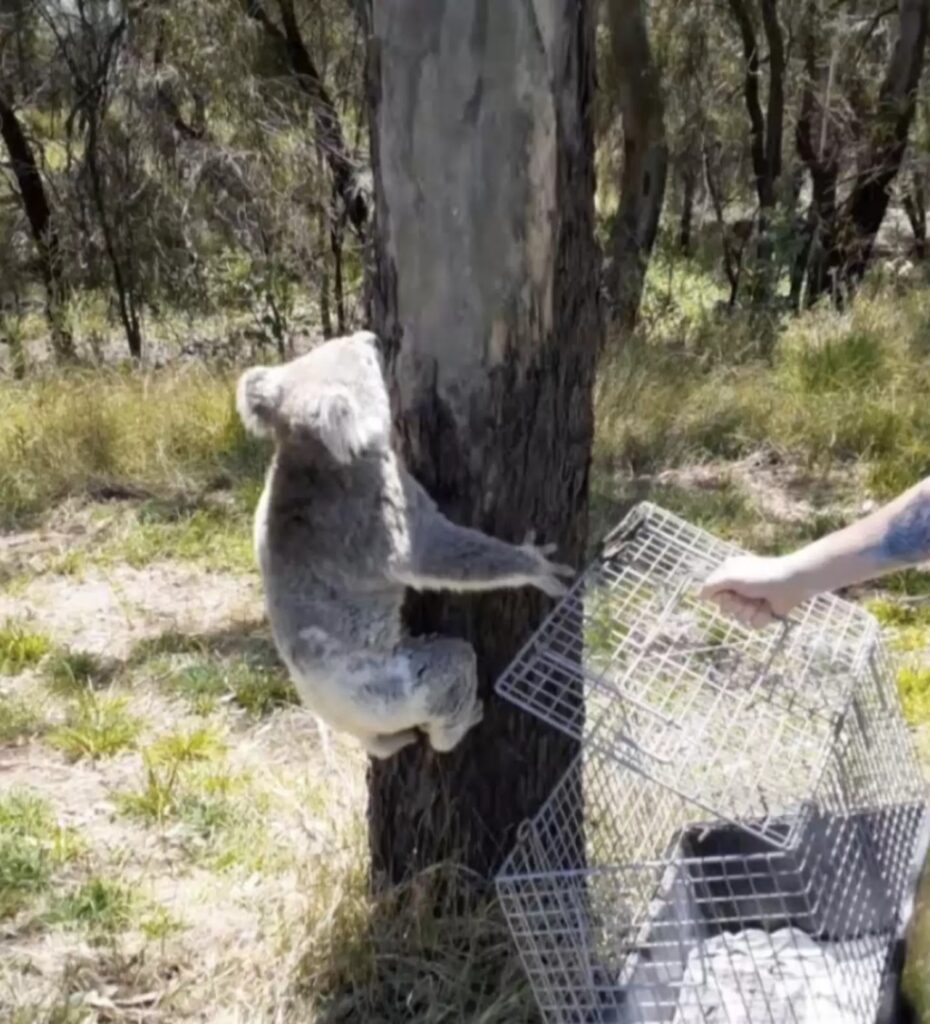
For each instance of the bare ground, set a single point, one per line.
(235, 930)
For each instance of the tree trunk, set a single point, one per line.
(850, 244)
(645, 159)
(35, 204)
(752, 73)
(766, 128)
(686, 221)
(485, 296)
(915, 208)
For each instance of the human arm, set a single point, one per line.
(758, 590)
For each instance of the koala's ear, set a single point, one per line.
(338, 423)
(258, 396)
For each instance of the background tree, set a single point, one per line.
(486, 299)
(637, 93)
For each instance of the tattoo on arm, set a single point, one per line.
(907, 538)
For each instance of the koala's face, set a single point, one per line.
(334, 396)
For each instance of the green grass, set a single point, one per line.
(20, 647)
(32, 847)
(168, 780)
(914, 690)
(166, 432)
(216, 538)
(221, 816)
(252, 683)
(97, 726)
(99, 905)
(836, 388)
(20, 718)
(68, 673)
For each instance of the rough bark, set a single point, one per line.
(329, 134)
(486, 298)
(819, 153)
(897, 103)
(751, 61)
(848, 237)
(915, 209)
(686, 220)
(766, 127)
(41, 226)
(645, 158)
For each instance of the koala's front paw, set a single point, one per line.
(546, 575)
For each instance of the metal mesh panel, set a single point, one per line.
(736, 841)
(738, 721)
(627, 906)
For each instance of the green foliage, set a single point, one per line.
(840, 387)
(20, 647)
(32, 846)
(167, 779)
(217, 538)
(97, 726)
(71, 672)
(98, 905)
(914, 690)
(253, 683)
(19, 718)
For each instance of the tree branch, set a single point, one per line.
(330, 136)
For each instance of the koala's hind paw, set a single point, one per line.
(443, 738)
(387, 744)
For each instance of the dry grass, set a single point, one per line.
(102, 431)
(824, 388)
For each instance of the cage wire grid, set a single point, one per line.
(738, 837)
(627, 907)
(632, 662)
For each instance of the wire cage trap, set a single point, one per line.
(737, 840)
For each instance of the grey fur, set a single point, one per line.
(341, 529)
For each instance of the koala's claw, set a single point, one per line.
(548, 572)
(552, 587)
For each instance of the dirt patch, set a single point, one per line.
(779, 490)
(108, 611)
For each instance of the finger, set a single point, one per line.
(730, 603)
(553, 587)
(529, 539)
(548, 549)
(714, 584)
(560, 569)
(762, 616)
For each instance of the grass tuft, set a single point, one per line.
(19, 718)
(410, 953)
(97, 726)
(71, 672)
(32, 846)
(20, 647)
(99, 905)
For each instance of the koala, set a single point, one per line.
(341, 530)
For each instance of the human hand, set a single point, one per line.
(755, 591)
